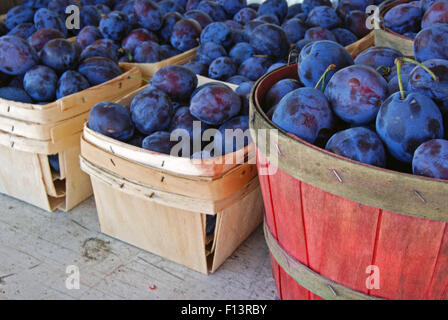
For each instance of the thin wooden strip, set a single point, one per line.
(48, 177)
(307, 278)
(163, 197)
(36, 146)
(384, 38)
(206, 188)
(182, 166)
(361, 45)
(376, 187)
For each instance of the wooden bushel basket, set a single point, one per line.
(386, 37)
(30, 133)
(340, 229)
(160, 203)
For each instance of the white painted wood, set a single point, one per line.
(36, 247)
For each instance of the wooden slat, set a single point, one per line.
(163, 197)
(388, 39)
(205, 188)
(236, 223)
(407, 252)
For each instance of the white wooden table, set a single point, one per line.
(36, 248)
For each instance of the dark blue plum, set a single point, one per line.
(101, 48)
(233, 135)
(59, 6)
(232, 24)
(278, 91)
(177, 81)
(148, 14)
(3, 29)
(159, 141)
(184, 120)
(431, 43)
(237, 79)
(103, 9)
(344, 36)
(355, 21)
(269, 18)
(16, 55)
(425, 4)
(98, 70)
(345, 6)
(15, 94)
(24, 31)
(254, 67)
(323, 16)
(209, 51)
(40, 82)
(192, 4)
(357, 93)
(169, 20)
(420, 81)
(315, 58)
(431, 159)
(404, 124)
(186, 33)
(304, 112)
(114, 26)
(60, 55)
(276, 7)
(295, 29)
(112, 120)
(301, 44)
(222, 68)
(378, 56)
(243, 91)
(319, 33)
(151, 110)
(137, 36)
(42, 36)
(87, 36)
(249, 28)
(245, 15)
(90, 16)
(167, 51)
(294, 10)
(403, 18)
(18, 15)
(437, 13)
(201, 17)
(53, 160)
(71, 82)
(270, 40)
(217, 32)
(241, 52)
(167, 6)
(35, 4)
(213, 9)
(215, 104)
(197, 67)
(308, 5)
(147, 52)
(45, 18)
(275, 66)
(359, 144)
(231, 7)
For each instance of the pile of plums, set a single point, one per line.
(246, 43)
(173, 111)
(410, 18)
(380, 108)
(37, 62)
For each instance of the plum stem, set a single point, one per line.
(400, 80)
(139, 78)
(432, 74)
(386, 70)
(324, 76)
